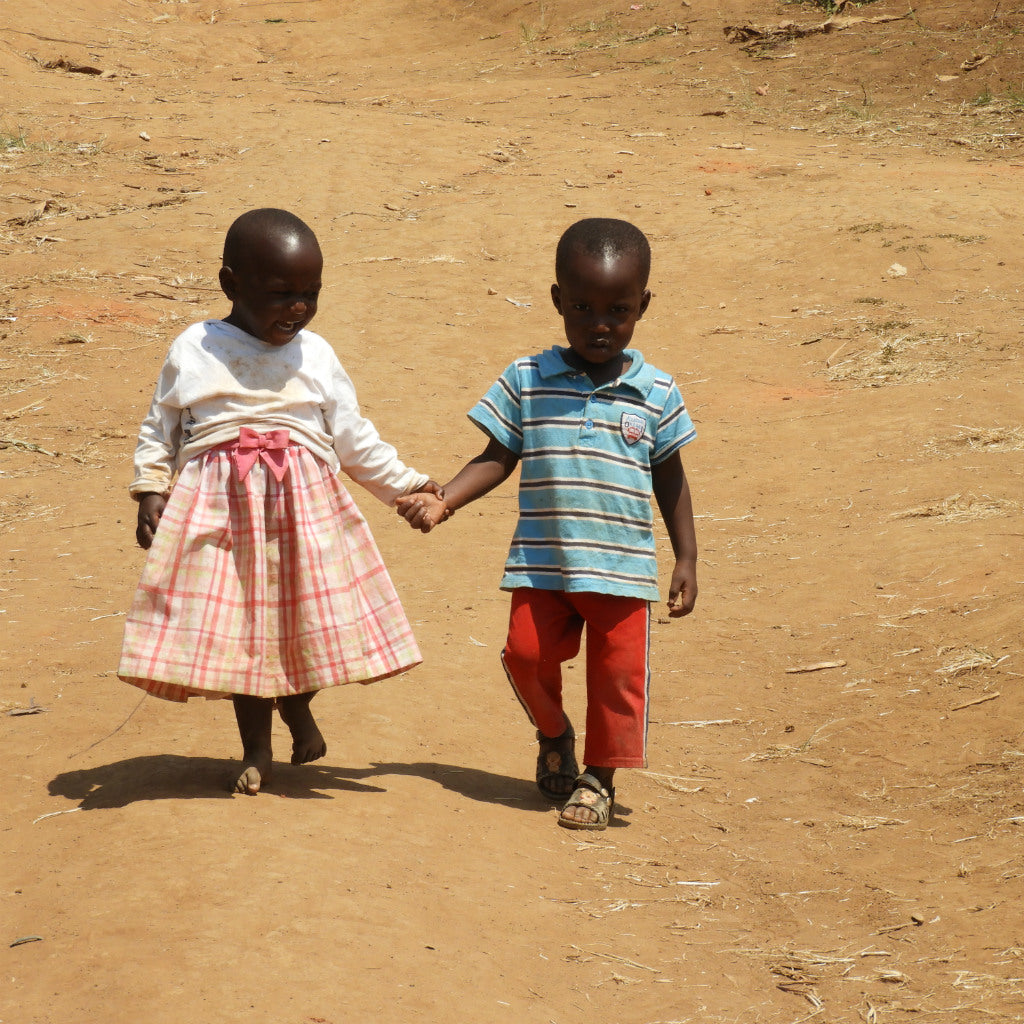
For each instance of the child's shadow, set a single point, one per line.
(472, 783)
(173, 776)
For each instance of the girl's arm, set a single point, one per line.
(492, 466)
(672, 493)
(363, 455)
(160, 437)
(151, 508)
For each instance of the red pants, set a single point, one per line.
(545, 627)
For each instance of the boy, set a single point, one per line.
(596, 429)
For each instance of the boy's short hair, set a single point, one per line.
(604, 238)
(263, 225)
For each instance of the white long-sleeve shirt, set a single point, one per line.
(217, 378)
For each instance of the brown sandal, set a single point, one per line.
(591, 794)
(556, 760)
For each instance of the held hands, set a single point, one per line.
(682, 593)
(423, 510)
(151, 508)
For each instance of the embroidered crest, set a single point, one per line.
(632, 427)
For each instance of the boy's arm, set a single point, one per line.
(492, 466)
(672, 493)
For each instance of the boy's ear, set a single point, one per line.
(645, 301)
(556, 297)
(227, 281)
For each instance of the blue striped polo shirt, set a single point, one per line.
(585, 517)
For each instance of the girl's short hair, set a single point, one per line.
(262, 225)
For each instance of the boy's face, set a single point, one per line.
(600, 301)
(274, 291)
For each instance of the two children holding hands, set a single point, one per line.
(262, 581)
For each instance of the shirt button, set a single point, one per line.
(589, 424)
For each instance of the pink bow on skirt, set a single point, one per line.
(270, 448)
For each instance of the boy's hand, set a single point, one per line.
(151, 508)
(423, 510)
(682, 593)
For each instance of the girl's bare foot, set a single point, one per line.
(308, 743)
(255, 716)
(252, 778)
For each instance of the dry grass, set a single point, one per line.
(18, 510)
(978, 439)
(960, 508)
(892, 356)
(967, 659)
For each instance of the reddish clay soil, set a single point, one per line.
(831, 825)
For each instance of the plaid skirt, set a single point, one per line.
(262, 587)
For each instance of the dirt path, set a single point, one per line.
(831, 824)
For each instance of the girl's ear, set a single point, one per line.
(645, 301)
(227, 282)
(556, 297)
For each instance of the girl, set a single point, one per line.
(262, 582)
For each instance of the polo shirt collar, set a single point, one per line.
(639, 376)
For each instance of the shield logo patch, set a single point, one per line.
(632, 427)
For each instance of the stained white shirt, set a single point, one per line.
(217, 378)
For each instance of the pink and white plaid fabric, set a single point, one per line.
(261, 586)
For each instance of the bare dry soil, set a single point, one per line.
(831, 826)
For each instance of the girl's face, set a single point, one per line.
(600, 301)
(274, 292)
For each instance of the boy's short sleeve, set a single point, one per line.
(675, 428)
(499, 413)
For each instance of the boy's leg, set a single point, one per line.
(544, 631)
(255, 716)
(618, 681)
(308, 743)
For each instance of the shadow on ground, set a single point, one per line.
(173, 776)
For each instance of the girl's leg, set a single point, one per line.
(308, 743)
(255, 716)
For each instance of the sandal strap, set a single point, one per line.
(593, 783)
(567, 734)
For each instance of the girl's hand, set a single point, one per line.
(151, 508)
(423, 510)
(682, 592)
